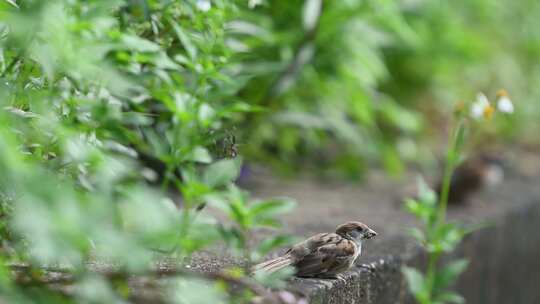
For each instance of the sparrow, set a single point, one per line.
(472, 175)
(324, 255)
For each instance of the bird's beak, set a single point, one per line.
(370, 234)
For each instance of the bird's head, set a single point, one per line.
(355, 231)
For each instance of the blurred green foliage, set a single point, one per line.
(115, 129)
(121, 119)
(437, 236)
(375, 80)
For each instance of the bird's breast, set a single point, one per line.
(358, 250)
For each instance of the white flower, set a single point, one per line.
(204, 5)
(481, 107)
(504, 104)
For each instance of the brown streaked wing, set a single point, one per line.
(328, 259)
(311, 244)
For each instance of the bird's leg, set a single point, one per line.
(341, 279)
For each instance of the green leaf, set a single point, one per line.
(239, 214)
(222, 172)
(447, 236)
(136, 43)
(216, 200)
(415, 279)
(232, 237)
(271, 207)
(185, 40)
(12, 2)
(450, 297)
(421, 211)
(449, 273)
(425, 194)
(21, 113)
(400, 116)
(200, 154)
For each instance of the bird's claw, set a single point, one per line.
(367, 267)
(340, 279)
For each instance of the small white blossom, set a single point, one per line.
(504, 104)
(478, 108)
(204, 5)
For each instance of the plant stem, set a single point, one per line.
(430, 276)
(452, 154)
(450, 165)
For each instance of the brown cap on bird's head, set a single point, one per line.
(354, 230)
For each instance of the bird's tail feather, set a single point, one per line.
(274, 264)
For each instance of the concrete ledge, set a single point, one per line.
(505, 268)
(504, 257)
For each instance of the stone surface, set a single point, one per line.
(504, 256)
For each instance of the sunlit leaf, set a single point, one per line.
(201, 155)
(222, 172)
(12, 2)
(271, 207)
(139, 44)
